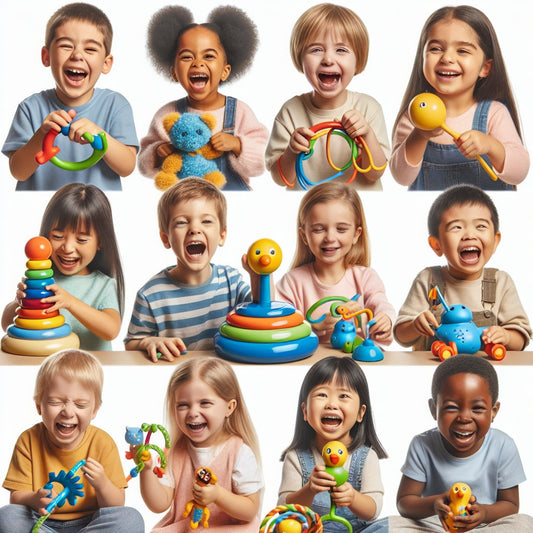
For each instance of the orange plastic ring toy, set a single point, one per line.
(40, 323)
(34, 264)
(248, 322)
(22, 312)
(39, 348)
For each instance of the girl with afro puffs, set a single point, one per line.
(200, 57)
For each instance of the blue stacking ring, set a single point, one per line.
(39, 334)
(38, 283)
(37, 294)
(260, 311)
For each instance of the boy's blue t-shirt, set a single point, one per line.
(107, 109)
(495, 466)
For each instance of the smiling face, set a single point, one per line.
(77, 57)
(332, 409)
(464, 413)
(200, 65)
(467, 239)
(454, 60)
(67, 409)
(330, 231)
(73, 251)
(201, 413)
(328, 63)
(194, 233)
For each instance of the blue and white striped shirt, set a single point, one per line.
(166, 308)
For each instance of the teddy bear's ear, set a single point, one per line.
(170, 120)
(209, 119)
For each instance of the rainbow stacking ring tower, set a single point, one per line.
(36, 332)
(267, 331)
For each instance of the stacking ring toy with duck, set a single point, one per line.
(49, 151)
(266, 331)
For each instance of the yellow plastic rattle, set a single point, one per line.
(428, 112)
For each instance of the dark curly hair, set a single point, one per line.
(236, 31)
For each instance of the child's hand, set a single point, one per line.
(299, 141)
(61, 299)
(57, 120)
(325, 328)
(43, 497)
(320, 480)
(476, 515)
(381, 330)
(21, 287)
(342, 496)
(354, 124)
(167, 348)
(441, 507)
(81, 126)
(473, 143)
(496, 335)
(205, 495)
(94, 473)
(164, 150)
(225, 142)
(426, 323)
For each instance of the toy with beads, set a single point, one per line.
(35, 330)
(291, 518)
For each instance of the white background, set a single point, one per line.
(396, 219)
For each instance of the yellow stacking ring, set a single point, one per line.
(39, 348)
(40, 323)
(34, 264)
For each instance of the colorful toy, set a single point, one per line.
(203, 476)
(428, 112)
(335, 454)
(35, 331)
(134, 436)
(460, 494)
(190, 135)
(291, 518)
(266, 331)
(72, 490)
(458, 333)
(49, 151)
(329, 129)
(344, 336)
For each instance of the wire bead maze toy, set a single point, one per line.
(291, 518)
(344, 336)
(49, 151)
(200, 513)
(356, 146)
(428, 112)
(134, 436)
(72, 490)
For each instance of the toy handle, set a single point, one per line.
(482, 162)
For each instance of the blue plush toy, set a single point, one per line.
(190, 135)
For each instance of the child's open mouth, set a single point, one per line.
(470, 255)
(75, 74)
(447, 74)
(65, 430)
(195, 248)
(197, 427)
(329, 79)
(198, 81)
(331, 421)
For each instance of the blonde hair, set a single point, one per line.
(190, 189)
(334, 18)
(73, 365)
(331, 191)
(219, 375)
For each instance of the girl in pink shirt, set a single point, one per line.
(459, 59)
(210, 428)
(332, 259)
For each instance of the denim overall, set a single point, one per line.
(322, 501)
(234, 182)
(444, 165)
(482, 319)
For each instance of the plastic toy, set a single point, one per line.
(329, 129)
(200, 513)
(34, 331)
(49, 151)
(368, 351)
(335, 454)
(134, 436)
(72, 490)
(266, 331)
(428, 112)
(458, 333)
(291, 518)
(460, 494)
(190, 135)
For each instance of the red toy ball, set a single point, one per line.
(38, 249)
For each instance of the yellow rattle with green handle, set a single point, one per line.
(428, 112)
